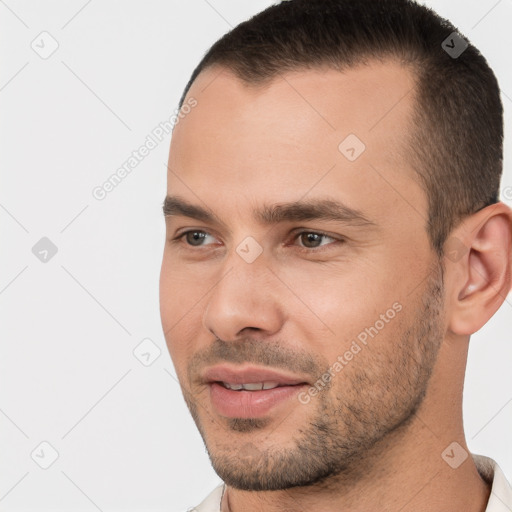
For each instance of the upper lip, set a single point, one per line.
(248, 374)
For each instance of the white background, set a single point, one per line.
(69, 326)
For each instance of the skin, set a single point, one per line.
(373, 438)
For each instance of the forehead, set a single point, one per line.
(289, 138)
(368, 98)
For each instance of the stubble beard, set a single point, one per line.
(385, 391)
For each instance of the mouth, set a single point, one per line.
(250, 392)
(253, 386)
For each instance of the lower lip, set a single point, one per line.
(249, 404)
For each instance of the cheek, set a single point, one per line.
(180, 310)
(339, 300)
(374, 360)
(181, 289)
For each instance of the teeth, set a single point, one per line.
(251, 386)
(256, 386)
(236, 387)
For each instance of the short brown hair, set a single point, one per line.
(456, 147)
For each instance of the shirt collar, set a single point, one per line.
(500, 499)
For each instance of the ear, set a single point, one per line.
(478, 261)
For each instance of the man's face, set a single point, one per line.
(343, 315)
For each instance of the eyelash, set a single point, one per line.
(178, 238)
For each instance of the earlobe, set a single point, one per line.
(481, 277)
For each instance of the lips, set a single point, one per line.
(249, 392)
(249, 375)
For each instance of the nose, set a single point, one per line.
(246, 297)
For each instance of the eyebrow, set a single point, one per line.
(305, 210)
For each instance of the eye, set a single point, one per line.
(311, 239)
(193, 237)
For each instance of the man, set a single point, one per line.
(334, 237)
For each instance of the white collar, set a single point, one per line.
(500, 499)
